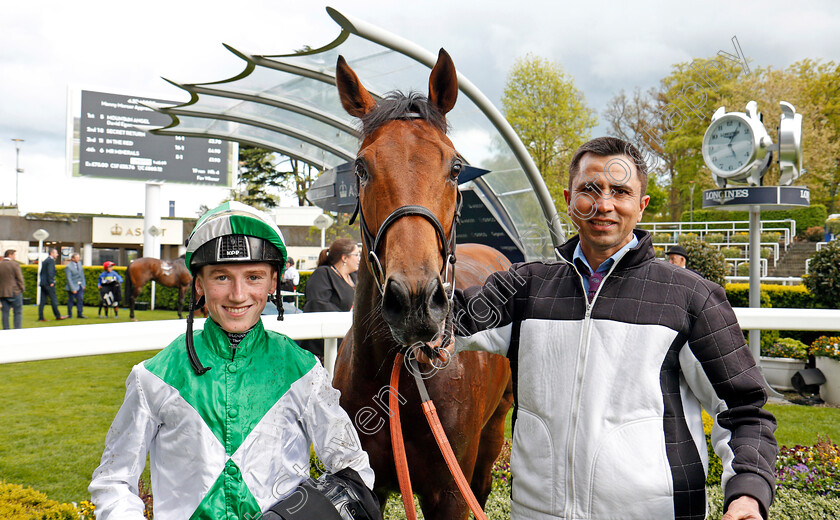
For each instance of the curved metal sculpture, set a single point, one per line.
(282, 103)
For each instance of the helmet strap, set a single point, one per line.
(278, 302)
(197, 366)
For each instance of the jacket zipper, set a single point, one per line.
(581, 364)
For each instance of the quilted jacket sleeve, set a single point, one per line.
(484, 314)
(722, 373)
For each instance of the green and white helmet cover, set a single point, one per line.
(220, 236)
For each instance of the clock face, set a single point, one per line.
(729, 144)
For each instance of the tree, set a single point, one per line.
(550, 115)
(823, 279)
(297, 179)
(706, 260)
(667, 123)
(262, 172)
(257, 176)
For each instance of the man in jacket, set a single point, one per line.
(75, 286)
(47, 285)
(228, 412)
(11, 289)
(613, 354)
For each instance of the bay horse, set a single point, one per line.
(169, 273)
(405, 161)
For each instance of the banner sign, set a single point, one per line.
(767, 197)
(114, 230)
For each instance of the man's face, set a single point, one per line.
(54, 254)
(75, 258)
(677, 260)
(236, 293)
(605, 202)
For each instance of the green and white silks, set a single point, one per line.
(229, 443)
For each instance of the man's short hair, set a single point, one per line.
(8, 253)
(290, 260)
(605, 147)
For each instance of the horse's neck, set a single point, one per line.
(373, 344)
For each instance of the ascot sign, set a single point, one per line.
(110, 230)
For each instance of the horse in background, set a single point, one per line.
(169, 273)
(406, 161)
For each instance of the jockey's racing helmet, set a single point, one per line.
(232, 233)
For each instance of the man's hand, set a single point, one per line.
(743, 508)
(443, 353)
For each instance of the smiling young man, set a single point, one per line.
(228, 413)
(613, 354)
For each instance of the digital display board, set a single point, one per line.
(111, 145)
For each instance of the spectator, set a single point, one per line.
(11, 289)
(110, 293)
(75, 286)
(291, 279)
(678, 256)
(47, 284)
(332, 285)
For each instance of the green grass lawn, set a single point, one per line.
(30, 316)
(54, 416)
(802, 424)
(53, 419)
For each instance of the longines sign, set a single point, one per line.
(109, 230)
(767, 197)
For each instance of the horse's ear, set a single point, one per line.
(354, 98)
(443, 83)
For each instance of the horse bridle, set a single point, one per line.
(372, 243)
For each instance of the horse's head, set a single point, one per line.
(408, 190)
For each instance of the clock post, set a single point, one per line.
(738, 149)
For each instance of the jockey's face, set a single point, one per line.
(236, 294)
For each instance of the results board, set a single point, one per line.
(111, 145)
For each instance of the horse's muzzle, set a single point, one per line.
(414, 317)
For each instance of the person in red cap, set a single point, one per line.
(110, 294)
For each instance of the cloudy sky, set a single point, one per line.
(128, 46)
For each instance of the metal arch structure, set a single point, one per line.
(288, 104)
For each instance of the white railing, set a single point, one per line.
(787, 228)
(113, 338)
(784, 280)
(739, 261)
(787, 319)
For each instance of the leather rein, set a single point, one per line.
(448, 275)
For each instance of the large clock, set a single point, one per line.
(735, 146)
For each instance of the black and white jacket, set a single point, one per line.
(609, 393)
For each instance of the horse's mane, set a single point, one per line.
(397, 105)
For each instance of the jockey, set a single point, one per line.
(228, 413)
(109, 285)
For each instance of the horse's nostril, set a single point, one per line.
(437, 301)
(395, 301)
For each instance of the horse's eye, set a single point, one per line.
(361, 170)
(457, 166)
